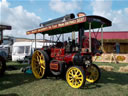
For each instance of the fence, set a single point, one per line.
(120, 58)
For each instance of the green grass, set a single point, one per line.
(16, 83)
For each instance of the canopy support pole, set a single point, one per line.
(43, 39)
(81, 34)
(90, 47)
(35, 40)
(102, 37)
(53, 37)
(53, 40)
(1, 34)
(62, 37)
(73, 35)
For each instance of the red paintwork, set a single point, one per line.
(69, 57)
(85, 43)
(58, 53)
(54, 65)
(94, 44)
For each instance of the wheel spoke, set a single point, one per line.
(42, 62)
(70, 74)
(38, 54)
(42, 66)
(38, 70)
(79, 78)
(75, 72)
(38, 59)
(40, 73)
(41, 58)
(41, 69)
(71, 80)
(77, 82)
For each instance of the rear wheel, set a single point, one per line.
(75, 77)
(93, 73)
(39, 64)
(2, 66)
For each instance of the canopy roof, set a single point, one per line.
(5, 27)
(73, 25)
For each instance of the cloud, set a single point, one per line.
(126, 10)
(65, 7)
(20, 19)
(118, 17)
(101, 7)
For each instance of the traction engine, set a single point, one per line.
(73, 59)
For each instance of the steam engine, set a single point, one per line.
(65, 55)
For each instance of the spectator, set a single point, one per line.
(117, 48)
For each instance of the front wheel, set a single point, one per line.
(75, 77)
(93, 73)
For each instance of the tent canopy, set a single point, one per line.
(5, 27)
(73, 25)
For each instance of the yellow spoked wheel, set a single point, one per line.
(39, 64)
(75, 77)
(93, 73)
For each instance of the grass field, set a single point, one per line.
(16, 83)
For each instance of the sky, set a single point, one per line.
(24, 15)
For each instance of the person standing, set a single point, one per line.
(117, 48)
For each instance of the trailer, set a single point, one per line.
(20, 50)
(72, 58)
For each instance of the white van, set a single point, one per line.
(22, 49)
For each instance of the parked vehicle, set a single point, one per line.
(6, 46)
(20, 50)
(3, 54)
